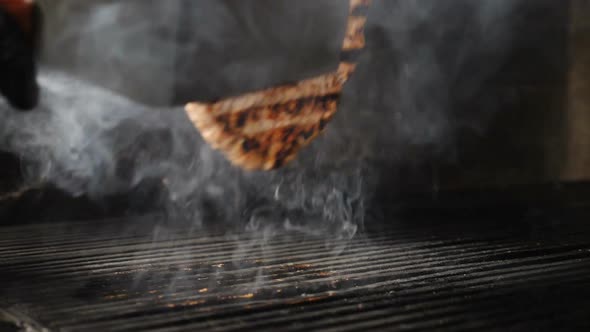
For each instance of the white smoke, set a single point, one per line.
(99, 141)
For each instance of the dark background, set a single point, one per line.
(502, 105)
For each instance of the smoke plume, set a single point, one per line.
(116, 73)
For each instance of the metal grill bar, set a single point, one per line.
(118, 277)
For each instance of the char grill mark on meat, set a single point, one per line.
(265, 130)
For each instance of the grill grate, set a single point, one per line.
(126, 276)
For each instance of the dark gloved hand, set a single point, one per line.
(20, 25)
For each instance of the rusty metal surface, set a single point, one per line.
(125, 276)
